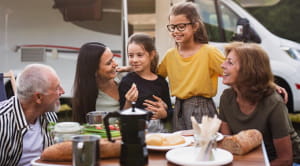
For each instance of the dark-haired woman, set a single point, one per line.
(96, 82)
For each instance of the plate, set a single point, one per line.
(220, 136)
(38, 162)
(187, 156)
(166, 148)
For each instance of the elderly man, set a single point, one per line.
(24, 117)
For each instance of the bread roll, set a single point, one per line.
(243, 142)
(58, 152)
(154, 140)
(164, 140)
(63, 151)
(173, 139)
(109, 149)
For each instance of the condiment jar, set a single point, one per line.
(64, 131)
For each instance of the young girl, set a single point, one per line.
(192, 67)
(143, 86)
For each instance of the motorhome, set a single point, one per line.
(52, 31)
(222, 19)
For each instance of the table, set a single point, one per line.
(254, 158)
(257, 157)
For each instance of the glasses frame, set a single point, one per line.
(176, 26)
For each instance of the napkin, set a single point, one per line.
(205, 136)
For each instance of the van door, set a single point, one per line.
(220, 20)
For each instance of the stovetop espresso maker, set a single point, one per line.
(132, 125)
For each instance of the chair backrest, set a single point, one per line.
(10, 75)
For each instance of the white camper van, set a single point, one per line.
(52, 31)
(221, 18)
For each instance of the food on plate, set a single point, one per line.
(100, 130)
(164, 139)
(154, 139)
(187, 132)
(63, 151)
(173, 139)
(243, 142)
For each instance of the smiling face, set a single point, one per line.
(185, 36)
(231, 69)
(107, 66)
(139, 58)
(53, 92)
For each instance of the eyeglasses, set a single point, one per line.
(180, 27)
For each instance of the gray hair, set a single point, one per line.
(34, 78)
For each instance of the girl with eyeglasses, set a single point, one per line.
(192, 67)
(143, 86)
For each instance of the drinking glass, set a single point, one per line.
(95, 117)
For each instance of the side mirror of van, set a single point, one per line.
(244, 32)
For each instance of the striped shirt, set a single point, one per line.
(13, 127)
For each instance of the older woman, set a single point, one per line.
(252, 101)
(95, 84)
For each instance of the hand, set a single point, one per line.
(282, 92)
(132, 94)
(158, 107)
(124, 69)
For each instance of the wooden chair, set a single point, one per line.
(10, 75)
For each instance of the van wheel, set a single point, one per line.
(284, 84)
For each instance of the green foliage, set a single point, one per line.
(282, 19)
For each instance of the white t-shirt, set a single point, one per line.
(105, 102)
(32, 144)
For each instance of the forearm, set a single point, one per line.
(284, 151)
(280, 162)
(127, 105)
(225, 129)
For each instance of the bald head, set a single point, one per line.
(34, 78)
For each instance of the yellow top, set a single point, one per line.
(196, 75)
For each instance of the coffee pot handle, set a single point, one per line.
(149, 115)
(106, 123)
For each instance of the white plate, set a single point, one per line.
(220, 136)
(35, 163)
(166, 148)
(187, 156)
